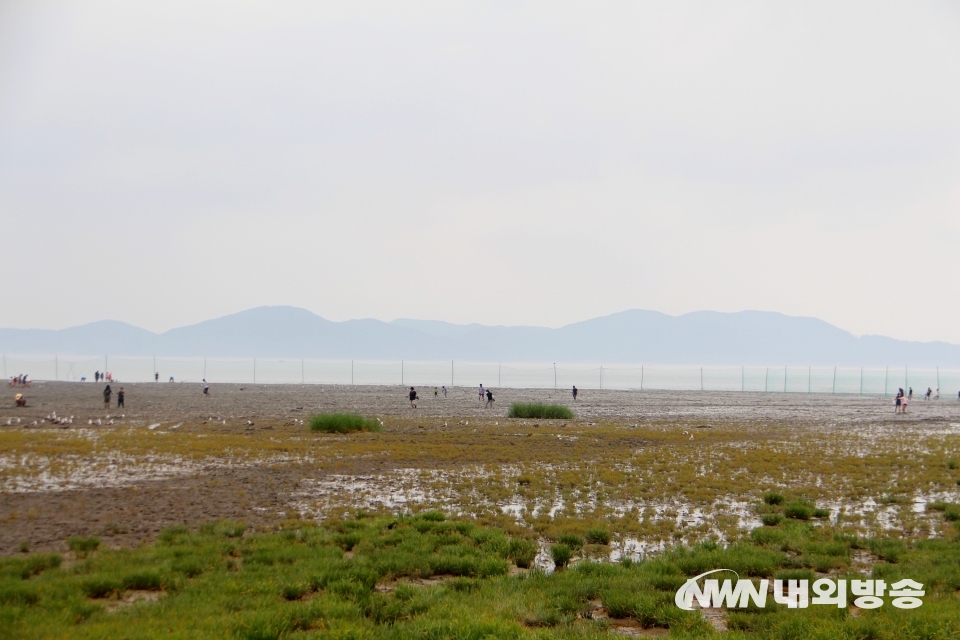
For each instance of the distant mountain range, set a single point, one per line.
(635, 336)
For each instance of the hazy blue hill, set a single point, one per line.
(96, 338)
(634, 336)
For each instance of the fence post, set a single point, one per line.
(834, 379)
(766, 380)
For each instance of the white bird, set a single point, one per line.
(90, 421)
(691, 436)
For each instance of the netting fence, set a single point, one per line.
(838, 380)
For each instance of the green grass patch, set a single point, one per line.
(342, 423)
(83, 546)
(540, 411)
(773, 498)
(299, 583)
(597, 536)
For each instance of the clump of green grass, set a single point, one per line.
(953, 464)
(799, 510)
(572, 540)
(83, 546)
(561, 554)
(773, 499)
(523, 552)
(771, 519)
(342, 423)
(598, 536)
(538, 410)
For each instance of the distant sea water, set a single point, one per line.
(783, 379)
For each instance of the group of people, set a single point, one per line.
(902, 400)
(108, 392)
(98, 376)
(19, 381)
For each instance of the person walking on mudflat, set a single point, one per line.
(120, 395)
(413, 398)
(107, 393)
(489, 399)
(575, 393)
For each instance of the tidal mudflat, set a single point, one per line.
(655, 467)
(633, 476)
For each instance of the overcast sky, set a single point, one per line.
(505, 163)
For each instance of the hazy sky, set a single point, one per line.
(510, 163)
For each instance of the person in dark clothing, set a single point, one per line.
(156, 376)
(96, 376)
(489, 399)
(120, 398)
(106, 397)
(575, 392)
(413, 398)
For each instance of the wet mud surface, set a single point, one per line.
(663, 465)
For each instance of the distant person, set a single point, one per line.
(171, 378)
(575, 393)
(413, 398)
(489, 395)
(929, 393)
(83, 378)
(436, 392)
(120, 398)
(19, 401)
(903, 409)
(156, 376)
(937, 396)
(444, 391)
(96, 376)
(206, 387)
(481, 392)
(911, 394)
(897, 403)
(106, 397)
